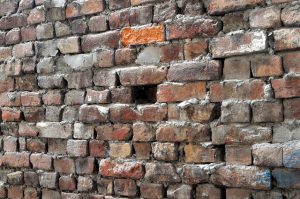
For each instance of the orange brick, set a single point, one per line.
(142, 35)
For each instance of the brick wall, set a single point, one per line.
(150, 99)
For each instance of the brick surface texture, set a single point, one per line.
(179, 99)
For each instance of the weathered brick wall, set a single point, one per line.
(150, 99)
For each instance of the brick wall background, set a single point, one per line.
(150, 99)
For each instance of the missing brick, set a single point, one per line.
(144, 94)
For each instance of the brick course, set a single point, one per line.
(149, 99)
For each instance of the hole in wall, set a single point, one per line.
(144, 94)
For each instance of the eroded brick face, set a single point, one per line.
(151, 99)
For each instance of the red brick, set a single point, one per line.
(235, 112)
(183, 28)
(292, 108)
(235, 21)
(195, 48)
(97, 97)
(27, 82)
(118, 4)
(172, 92)
(238, 155)
(108, 39)
(237, 90)
(50, 194)
(15, 159)
(67, 183)
(120, 150)
(171, 52)
(6, 84)
(143, 132)
(194, 174)
(125, 187)
(26, 4)
(8, 7)
(31, 178)
(15, 192)
(266, 154)
(105, 58)
(199, 154)
(35, 145)
(79, 26)
(11, 115)
(140, 15)
(30, 193)
(28, 34)
(23, 50)
(236, 193)
(80, 79)
(136, 76)
(122, 95)
(41, 161)
(36, 16)
(13, 21)
(33, 114)
(287, 87)
(77, 148)
(266, 66)
(235, 176)
(145, 35)
(166, 11)
(93, 113)
(290, 15)
(149, 113)
(222, 6)
(133, 170)
(10, 99)
(64, 165)
(69, 45)
(291, 62)
(5, 53)
(12, 68)
(117, 132)
(97, 148)
(208, 190)
(173, 132)
(243, 135)
(13, 36)
(286, 38)
(26, 129)
(193, 113)
(125, 56)
(52, 97)
(30, 99)
(267, 111)
(79, 8)
(195, 71)
(149, 190)
(239, 43)
(97, 24)
(119, 19)
(85, 165)
(161, 172)
(142, 150)
(265, 17)
(280, 1)
(237, 68)
(105, 78)
(84, 183)
(10, 143)
(164, 151)
(57, 146)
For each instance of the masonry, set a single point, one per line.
(150, 99)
